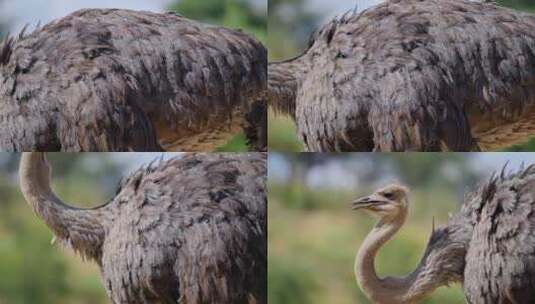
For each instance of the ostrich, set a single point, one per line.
(186, 230)
(489, 245)
(122, 80)
(413, 75)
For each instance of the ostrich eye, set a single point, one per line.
(388, 195)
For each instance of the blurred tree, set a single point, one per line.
(527, 5)
(289, 23)
(231, 13)
(425, 169)
(422, 169)
(8, 162)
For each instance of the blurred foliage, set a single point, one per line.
(527, 5)
(239, 14)
(292, 281)
(34, 271)
(529, 146)
(290, 24)
(428, 170)
(282, 134)
(236, 144)
(313, 235)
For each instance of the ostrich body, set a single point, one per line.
(121, 80)
(488, 246)
(188, 230)
(412, 75)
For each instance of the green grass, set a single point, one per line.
(529, 146)
(282, 134)
(236, 144)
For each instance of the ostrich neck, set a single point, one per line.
(80, 229)
(384, 290)
(282, 84)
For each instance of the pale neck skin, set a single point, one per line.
(387, 290)
(34, 177)
(81, 229)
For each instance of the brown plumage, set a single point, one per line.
(420, 75)
(121, 80)
(189, 230)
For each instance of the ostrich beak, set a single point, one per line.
(367, 202)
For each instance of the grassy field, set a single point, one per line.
(236, 144)
(313, 238)
(282, 134)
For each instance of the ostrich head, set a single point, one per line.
(387, 202)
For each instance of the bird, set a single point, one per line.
(488, 246)
(125, 80)
(190, 229)
(412, 75)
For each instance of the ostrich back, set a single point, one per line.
(500, 261)
(189, 230)
(419, 75)
(121, 80)
(489, 245)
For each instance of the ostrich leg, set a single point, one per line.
(256, 126)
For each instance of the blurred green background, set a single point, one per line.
(33, 270)
(290, 24)
(313, 234)
(240, 14)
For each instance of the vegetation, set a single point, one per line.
(33, 270)
(526, 5)
(239, 14)
(290, 24)
(313, 235)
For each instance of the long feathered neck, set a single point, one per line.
(387, 290)
(282, 84)
(80, 229)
